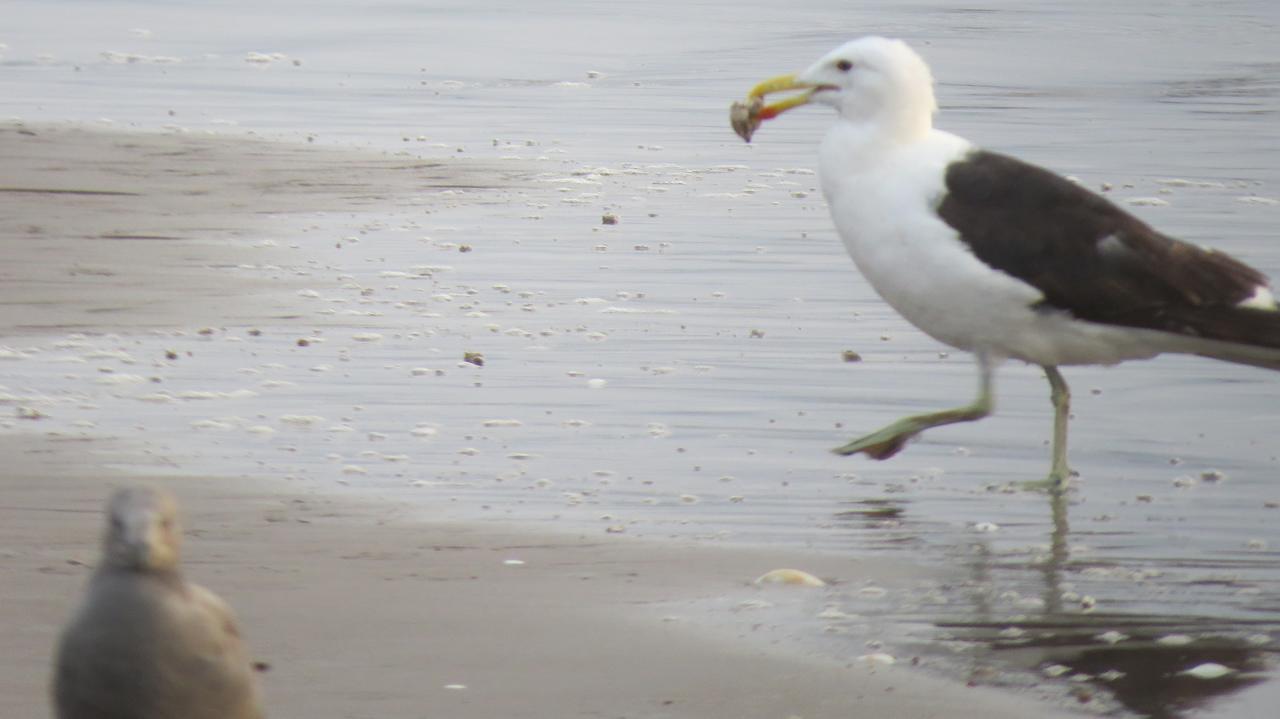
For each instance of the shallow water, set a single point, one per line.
(679, 373)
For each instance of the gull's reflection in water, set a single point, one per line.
(1021, 622)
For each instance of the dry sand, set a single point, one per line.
(360, 610)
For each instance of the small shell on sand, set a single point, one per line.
(878, 659)
(794, 577)
(1208, 670)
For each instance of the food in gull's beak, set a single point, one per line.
(745, 118)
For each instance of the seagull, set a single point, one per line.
(999, 257)
(147, 644)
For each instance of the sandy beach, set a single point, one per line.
(359, 607)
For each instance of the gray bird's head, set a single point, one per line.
(142, 530)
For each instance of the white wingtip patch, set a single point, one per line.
(1261, 299)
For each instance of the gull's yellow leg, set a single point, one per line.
(888, 441)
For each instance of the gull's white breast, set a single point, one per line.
(883, 198)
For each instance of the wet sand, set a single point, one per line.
(79, 208)
(360, 607)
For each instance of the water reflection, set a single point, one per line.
(1025, 624)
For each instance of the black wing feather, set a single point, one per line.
(1094, 260)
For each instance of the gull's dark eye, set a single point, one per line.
(844, 66)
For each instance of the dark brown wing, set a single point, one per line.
(1094, 260)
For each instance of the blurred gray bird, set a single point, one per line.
(147, 644)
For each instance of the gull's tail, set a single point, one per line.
(1244, 335)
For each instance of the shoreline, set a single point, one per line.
(358, 609)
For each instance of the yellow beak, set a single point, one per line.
(781, 83)
(745, 117)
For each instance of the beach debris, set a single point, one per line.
(792, 577)
(1147, 202)
(214, 424)
(1208, 670)
(850, 356)
(835, 613)
(475, 358)
(121, 379)
(880, 659)
(129, 58)
(1213, 475)
(597, 383)
(1256, 200)
(1111, 637)
(608, 218)
(266, 58)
